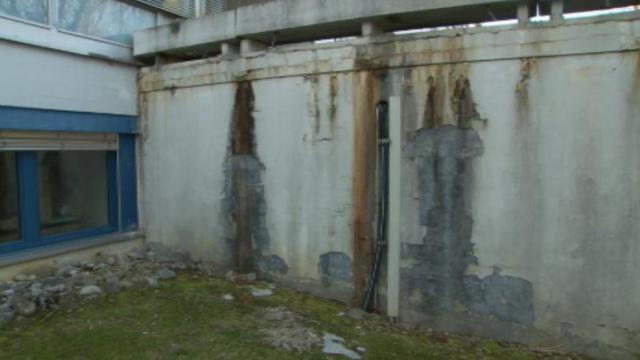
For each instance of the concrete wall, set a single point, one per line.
(37, 77)
(518, 183)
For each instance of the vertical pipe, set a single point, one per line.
(395, 183)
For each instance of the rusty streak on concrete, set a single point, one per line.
(366, 89)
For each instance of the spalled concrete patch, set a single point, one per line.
(335, 266)
(244, 204)
(272, 265)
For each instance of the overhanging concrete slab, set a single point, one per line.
(288, 21)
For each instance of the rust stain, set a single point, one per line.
(462, 103)
(333, 93)
(242, 140)
(313, 105)
(527, 66)
(366, 92)
(242, 143)
(435, 102)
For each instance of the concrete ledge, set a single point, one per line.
(608, 34)
(49, 252)
(289, 21)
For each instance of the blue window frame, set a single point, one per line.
(103, 177)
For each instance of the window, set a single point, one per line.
(73, 191)
(8, 198)
(32, 10)
(66, 185)
(108, 19)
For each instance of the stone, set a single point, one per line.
(261, 292)
(152, 281)
(361, 349)
(246, 278)
(112, 284)
(90, 290)
(165, 274)
(227, 297)
(356, 314)
(21, 277)
(24, 306)
(6, 317)
(36, 290)
(333, 345)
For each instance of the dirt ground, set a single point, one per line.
(198, 317)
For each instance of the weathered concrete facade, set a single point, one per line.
(519, 177)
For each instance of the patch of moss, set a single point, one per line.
(186, 318)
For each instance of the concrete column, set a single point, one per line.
(557, 10)
(395, 194)
(370, 28)
(249, 46)
(229, 49)
(523, 12)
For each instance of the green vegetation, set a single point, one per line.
(188, 318)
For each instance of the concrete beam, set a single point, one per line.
(370, 28)
(523, 12)
(248, 46)
(229, 49)
(306, 20)
(557, 11)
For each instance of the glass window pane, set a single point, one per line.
(72, 190)
(8, 198)
(32, 10)
(108, 19)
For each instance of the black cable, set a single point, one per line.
(383, 200)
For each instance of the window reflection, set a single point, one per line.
(108, 19)
(8, 198)
(72, 191)
(32, 10)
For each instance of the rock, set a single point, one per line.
(333, 346)
(21, 277)
(126, 283)
(36, 290)
(112, 284)
(228, 297)
(230, 276)
(24, 306)
(152, 281)
(165, 274)
(361, 349)
(8, 293)
(246, 278)
(180, 265)
(111, 260)
(6, 317)
(90, 290)
(261, 292)
(356, 314)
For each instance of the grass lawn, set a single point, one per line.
(187, 318)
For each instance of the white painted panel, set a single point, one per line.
(47, 79)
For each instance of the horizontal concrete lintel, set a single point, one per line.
(619, 33)
(288, 21)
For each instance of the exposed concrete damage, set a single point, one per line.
(507, 172)
(244, 191)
